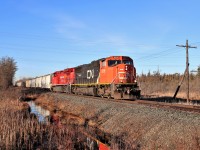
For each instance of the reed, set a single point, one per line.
(19, 130)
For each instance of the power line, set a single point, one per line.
(148, 58)
(60, 50)
(157, 55)
(154, 54)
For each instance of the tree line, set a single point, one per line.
(155, 83)
(156, 75)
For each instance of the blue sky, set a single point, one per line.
(45, 36)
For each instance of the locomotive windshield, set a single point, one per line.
(113, 62)
(128, 62)
(116, 62)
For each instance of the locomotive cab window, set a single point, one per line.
(103, 63)
(128, 62)
(113, 62)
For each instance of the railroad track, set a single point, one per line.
(189, 108)
(154, 104)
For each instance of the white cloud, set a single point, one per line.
(79, 32)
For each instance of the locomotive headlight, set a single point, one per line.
(126, 68)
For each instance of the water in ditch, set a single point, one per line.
(41, 113)
(44, 115)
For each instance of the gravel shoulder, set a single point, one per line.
(148, 127)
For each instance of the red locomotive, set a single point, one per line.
(114, 77)
(60, 80)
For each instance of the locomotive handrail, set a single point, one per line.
(114, 78)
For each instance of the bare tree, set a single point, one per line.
(7, 71)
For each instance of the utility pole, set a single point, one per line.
(187, 66)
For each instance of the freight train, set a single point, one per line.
(111, 77)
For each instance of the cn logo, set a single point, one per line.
(90, 74)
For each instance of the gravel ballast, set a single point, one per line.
(144, 126)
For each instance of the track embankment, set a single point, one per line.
(139, 125)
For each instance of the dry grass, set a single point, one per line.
(165, 85)
(19, 130)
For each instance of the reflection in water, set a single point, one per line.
(40, 112)
(90, 142)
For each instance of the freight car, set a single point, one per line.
(112, 77)
(37, 82)
(20, 83)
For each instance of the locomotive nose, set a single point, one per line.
(124, 74)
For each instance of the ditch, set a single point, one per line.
(93, 138)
